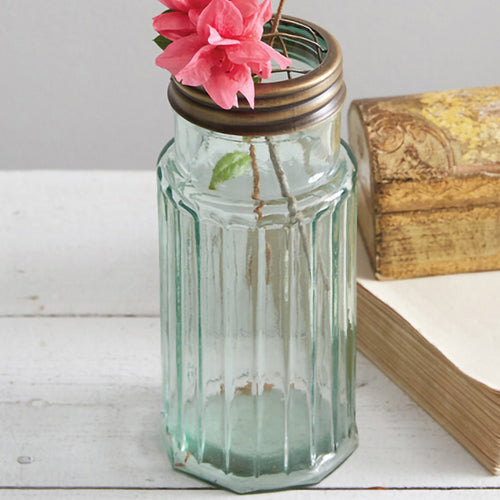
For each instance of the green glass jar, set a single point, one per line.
(258, 278)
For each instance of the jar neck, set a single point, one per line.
(307, 158)
(191, 139)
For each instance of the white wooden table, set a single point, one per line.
(80, 369)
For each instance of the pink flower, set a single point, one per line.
(182, 19)
(217, 44)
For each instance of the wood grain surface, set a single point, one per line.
(80, 377)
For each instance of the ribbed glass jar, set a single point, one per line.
(258, 305)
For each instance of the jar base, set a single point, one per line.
(185, 462)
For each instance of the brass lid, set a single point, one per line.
(280, 107)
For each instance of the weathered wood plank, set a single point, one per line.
(80, 400)
(78, 243)
(80, 397)
(219, 495)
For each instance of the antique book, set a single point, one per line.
(438, 338)
(429, 181)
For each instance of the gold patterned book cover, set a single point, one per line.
(429, 170)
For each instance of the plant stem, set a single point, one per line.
(294, 212)
(277, 17)
(276, 21)
(256, 180)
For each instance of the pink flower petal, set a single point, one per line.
(197, 4)
(266, 11)
(178, 54)
(254, 24)
(173, 25)
(199, 69)
(185, 5)
(247, 85)
(252, 28)
(248, 50)
(283, 62)
(180, 5)
(194, 15)
(216, 39)
(262, 70)
(223, 86)
(218, 90)
(223, 16)
(247, 7)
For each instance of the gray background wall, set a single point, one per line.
(79, 88)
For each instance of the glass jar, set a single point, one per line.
(257, 219)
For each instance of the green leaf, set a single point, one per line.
(162, 42)
(229, 167)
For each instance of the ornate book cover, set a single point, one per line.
(429, 170)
